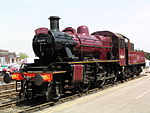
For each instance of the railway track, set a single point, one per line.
(1, 79)
(22, 108)
(8, 94)
(9, 86)
(14, 104)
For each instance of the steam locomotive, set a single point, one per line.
(75, 61)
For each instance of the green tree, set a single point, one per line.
(147, 55)
(22, 55)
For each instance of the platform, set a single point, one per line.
(129, 97)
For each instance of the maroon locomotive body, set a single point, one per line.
(103, 44)
(75, 61)
(93, 46)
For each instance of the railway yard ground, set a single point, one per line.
(128, 97)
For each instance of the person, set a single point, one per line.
(147, 64)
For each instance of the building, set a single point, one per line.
(7, 57)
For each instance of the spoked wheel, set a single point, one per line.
(26, 91)
(49, 94)
(139, 70)
(101, 80)
(53, 92)
(124, 77)
(101, 76)
(58, 91)
(114, 78)
(85, 84)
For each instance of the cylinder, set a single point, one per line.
(54, 23)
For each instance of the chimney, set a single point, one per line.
(54, 23)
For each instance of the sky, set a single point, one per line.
(19, 19)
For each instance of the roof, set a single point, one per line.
(8, 53)
(109, 34)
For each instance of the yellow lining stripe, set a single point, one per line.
(93, 61)
(138, 63)
(95, 46)
(59, 72)
(56, 72)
